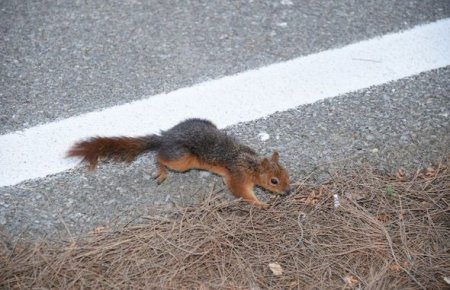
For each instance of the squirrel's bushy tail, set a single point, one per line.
(116, 148)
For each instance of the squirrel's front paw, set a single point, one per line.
(262, 205)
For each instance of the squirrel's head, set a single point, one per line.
(272, 176)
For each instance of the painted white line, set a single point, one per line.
(39, 151)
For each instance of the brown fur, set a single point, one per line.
(118, 148)
(195, 144)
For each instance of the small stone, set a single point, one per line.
(287, 2)
(3, 220)
(204, 174)
(263, 136)
(370, 137)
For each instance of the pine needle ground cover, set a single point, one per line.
(358, 230)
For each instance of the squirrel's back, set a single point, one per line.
(203, 139)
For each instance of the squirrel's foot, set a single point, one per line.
(262, 205)
(160, 176)
(160, 179)
(259, 204)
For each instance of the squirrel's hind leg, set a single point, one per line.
(161, 173)
(182, 163)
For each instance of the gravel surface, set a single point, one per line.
(400, 124)
(64, 58)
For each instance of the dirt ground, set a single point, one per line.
(359, 230)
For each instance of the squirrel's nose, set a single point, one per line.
(288, 189)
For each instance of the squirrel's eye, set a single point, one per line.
(274, 181)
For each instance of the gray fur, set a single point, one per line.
(203, 139)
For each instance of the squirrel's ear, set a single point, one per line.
(275, 156)
(265, 163)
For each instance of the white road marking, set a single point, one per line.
(39, 151)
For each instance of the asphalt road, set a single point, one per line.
(64, 59)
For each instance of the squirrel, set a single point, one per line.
(194, 144)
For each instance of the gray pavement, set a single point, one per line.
(64, 58)
(404, 124)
